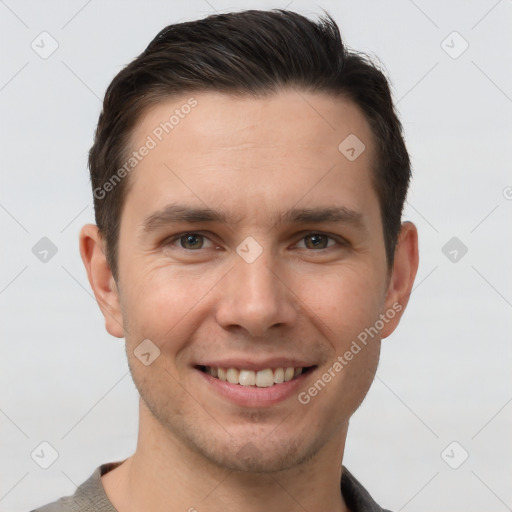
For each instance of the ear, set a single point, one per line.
(101, 279)
(404, 270)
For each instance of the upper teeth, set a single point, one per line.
(262, 378)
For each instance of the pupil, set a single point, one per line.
(191, 240)
(316, 240)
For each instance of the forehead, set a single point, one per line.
(218, 120)
(217, 148)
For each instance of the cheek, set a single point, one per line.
(344, 302)
(158, 303)
(342, 307)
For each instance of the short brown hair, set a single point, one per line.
(256, 53)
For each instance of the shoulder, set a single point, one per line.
(66, 504)
(90, 496)
(357, 498)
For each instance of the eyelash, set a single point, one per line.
(338, 240)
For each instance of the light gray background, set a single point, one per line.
(445, 373)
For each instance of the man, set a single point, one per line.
(249, 175)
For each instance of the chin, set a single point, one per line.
(249, 444)
(258, 457)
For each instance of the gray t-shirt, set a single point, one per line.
(91, 496)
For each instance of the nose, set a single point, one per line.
(256, 297)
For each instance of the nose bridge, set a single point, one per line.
(258, 283)
(254, 297)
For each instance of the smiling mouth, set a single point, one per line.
(265, 378)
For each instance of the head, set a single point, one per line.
(234, 229)
(284, 49)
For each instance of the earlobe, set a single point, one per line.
(402, 277)
(101, 279)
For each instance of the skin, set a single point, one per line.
(252, 158)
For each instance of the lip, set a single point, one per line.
(251, 396)
(246, 364)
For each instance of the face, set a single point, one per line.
(249, 244)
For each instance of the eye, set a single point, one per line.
(191, 241)
(196, 241)
(317, 241)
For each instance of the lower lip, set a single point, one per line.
(252, 396)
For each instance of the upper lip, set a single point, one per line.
(246, 364)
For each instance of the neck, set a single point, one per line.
(163, 471)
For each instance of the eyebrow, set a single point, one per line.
(181, 213)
